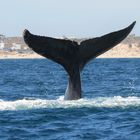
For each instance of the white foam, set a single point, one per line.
(108, 102)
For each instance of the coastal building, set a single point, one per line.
(16, 46)
(2, 37)
(2, 45)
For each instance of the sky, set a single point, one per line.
(69, 18)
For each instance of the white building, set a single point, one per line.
(2, 45)
(16, 46)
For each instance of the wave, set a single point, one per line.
(107, 102)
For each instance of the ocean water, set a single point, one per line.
(32, 105)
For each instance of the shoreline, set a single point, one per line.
(39, 57)
(120, 51)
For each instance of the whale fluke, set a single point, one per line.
(92, 48)
(73, 56)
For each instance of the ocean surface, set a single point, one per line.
(32, 105)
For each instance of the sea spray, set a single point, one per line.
(106, 102)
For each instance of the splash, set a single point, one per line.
(108, 102)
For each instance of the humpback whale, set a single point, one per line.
(73, 56)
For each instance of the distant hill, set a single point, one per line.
(10, 41)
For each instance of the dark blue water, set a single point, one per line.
(32, 105)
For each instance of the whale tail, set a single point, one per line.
(73, 56)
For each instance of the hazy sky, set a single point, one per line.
(71, 18)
